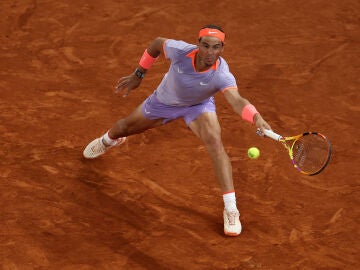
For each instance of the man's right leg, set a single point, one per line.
(132, 124)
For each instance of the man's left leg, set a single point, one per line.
(208, 129)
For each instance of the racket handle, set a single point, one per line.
(271, 134)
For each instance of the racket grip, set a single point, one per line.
(271, 134)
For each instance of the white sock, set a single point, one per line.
(230, 201)
(107, 140)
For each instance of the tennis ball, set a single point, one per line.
(253, 152)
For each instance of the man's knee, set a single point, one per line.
(212, 140)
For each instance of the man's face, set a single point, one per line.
(210, 49)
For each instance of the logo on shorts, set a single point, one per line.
(180, 71)
(146, 111)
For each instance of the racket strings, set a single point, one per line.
(311, 153)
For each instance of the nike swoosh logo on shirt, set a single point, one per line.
(202, 83)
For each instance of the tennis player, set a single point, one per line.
(196, 74)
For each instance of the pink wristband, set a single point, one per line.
(147, 60)
(248, 113)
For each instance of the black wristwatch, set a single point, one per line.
(139, 73)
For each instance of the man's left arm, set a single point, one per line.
(241, 106)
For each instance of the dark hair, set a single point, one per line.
(213, 26)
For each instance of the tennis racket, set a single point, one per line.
(309, 152)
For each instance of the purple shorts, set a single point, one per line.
(153, 109)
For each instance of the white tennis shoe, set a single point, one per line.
(97, 147)
(232, 225)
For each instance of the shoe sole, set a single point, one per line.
(87, 153)
(231, 234)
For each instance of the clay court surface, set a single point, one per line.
(153, 203)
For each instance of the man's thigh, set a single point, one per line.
(207, 124)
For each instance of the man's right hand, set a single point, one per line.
(129, 83)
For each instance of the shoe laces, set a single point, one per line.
(99, 147)
(232, 216)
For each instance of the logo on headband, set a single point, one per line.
(213, 33)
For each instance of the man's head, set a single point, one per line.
(213, 31)
(211, 44)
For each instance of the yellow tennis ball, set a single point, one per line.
(253, 152)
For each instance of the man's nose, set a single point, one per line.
(211, 50)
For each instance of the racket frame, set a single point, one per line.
(289, 142)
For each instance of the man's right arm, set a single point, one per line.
(154, 50)
(134, 80)
(156, 46)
